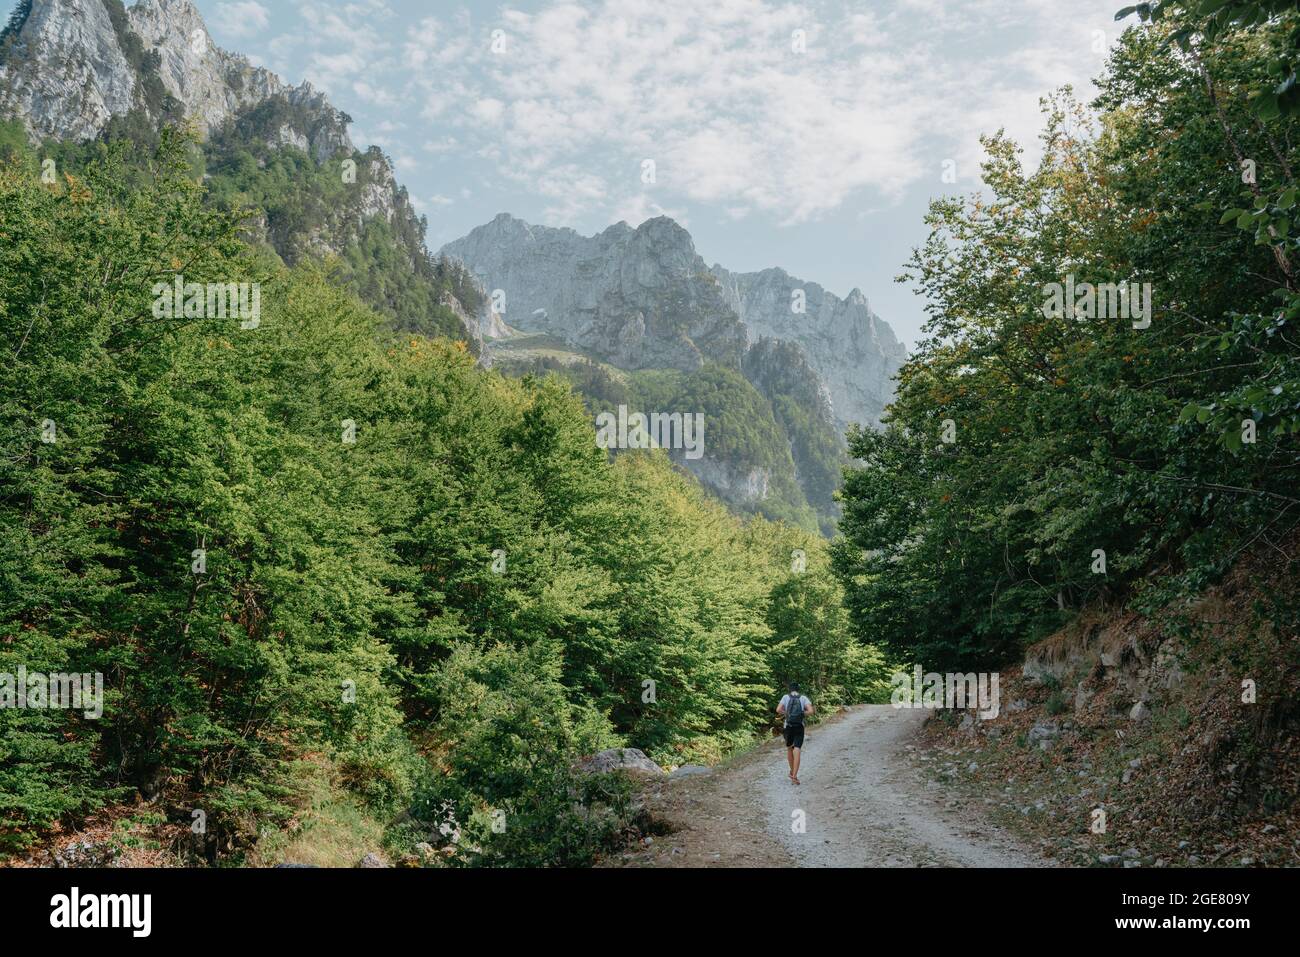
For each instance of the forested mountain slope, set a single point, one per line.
(779, 366)
(76, 72)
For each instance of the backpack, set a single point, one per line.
(794, 711)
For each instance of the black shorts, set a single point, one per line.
(794, 736)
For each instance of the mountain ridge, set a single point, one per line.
(78, 72)
(73, 65)
(644, 301)
(840, 338)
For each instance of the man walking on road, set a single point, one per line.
(795, 707)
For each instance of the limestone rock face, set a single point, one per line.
(851, 349)
(644, 298)
(64, 71)
(377, 193)
(639, 298)
(737, 486)
(69, 68)
(192, 68)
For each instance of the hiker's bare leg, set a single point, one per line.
(794, 764)
(789, 757)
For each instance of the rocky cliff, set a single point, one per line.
(69, 66)
(75, 70)
(851, 349)
(638, 298)
(63, 70)
(644, 298)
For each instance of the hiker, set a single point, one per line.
(795, 707)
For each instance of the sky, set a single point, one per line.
(810, 136)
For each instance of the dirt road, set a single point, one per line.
(861, 804)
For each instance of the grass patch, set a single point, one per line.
(336, 833)
(332, 830)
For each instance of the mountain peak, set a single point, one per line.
(70, 66)
(664, 232)
(663, 225)
(644, 298)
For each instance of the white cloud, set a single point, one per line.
(734, 117)
(730, 112)
(344, 49)
(241, 18)
(374, 9)
(375, 95)
(488, 110)
(421, 44)
(325, 70)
